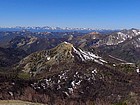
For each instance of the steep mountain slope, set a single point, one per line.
(119, 37)
(32, 44)
(5, 37)
(128, 50)
(63, 53)
(10, 56)
(35, 41)
(70, 76)
(87, 40)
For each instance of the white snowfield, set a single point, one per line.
(85, 55)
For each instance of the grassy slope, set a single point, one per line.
(17, 102)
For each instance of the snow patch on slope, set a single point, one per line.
(85, 55)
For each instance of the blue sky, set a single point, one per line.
(112, 14)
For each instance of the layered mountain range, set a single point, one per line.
(54, 29)
(121, 42)
(71, 68)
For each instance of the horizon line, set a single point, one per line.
(67, 27)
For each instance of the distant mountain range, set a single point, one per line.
(55, 29)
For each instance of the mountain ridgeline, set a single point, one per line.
(61, 54)
(71, 68)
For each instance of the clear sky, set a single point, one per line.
(112, 14)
